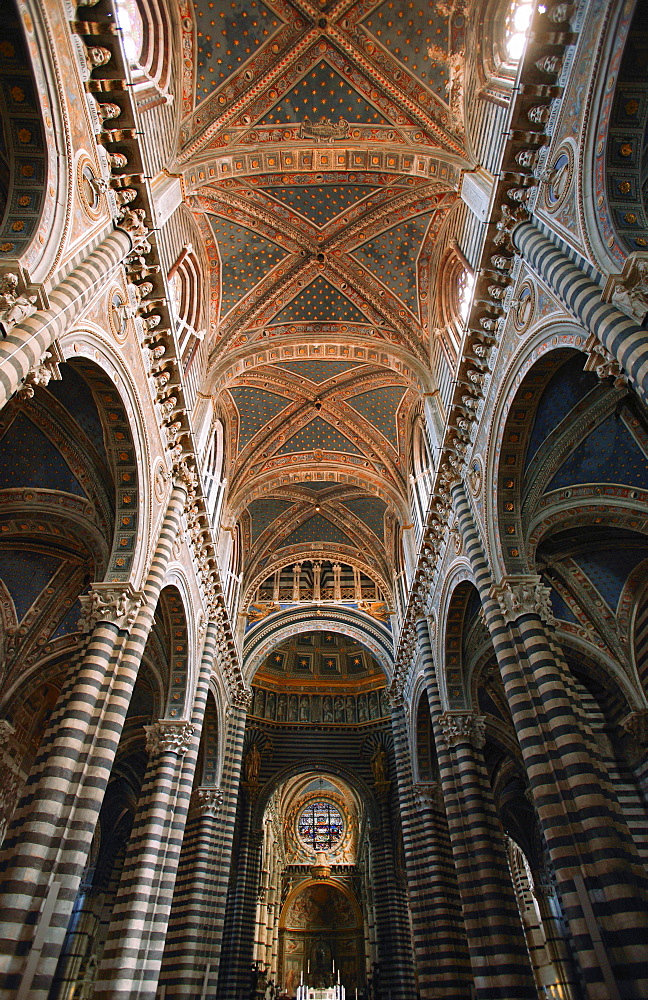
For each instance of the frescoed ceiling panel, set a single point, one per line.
(246, 258)
(316, 487)
(379, 407)
(28, 458)
(228, 32)
(321, 204)
(318, 434)
(317, 529)
(323, 93)
(609, 456)
(26, 574)
(264, 512)
(371, 511)
(320, 301)
(415, 34)
(321, 243)
(317, 371)
(392, 257)
(75, 394)
(255, 407)
(609, 569)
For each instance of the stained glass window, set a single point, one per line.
(320, 825)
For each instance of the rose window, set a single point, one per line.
(320, 826)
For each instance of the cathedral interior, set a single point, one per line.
(324, 499)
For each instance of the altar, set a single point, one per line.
(336, 992)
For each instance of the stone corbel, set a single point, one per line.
(463, 727)
(523, 595)
(168, 736)
(110, 602)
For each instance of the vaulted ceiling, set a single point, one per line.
(321, 150)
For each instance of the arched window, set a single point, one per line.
(420, 476)
(132, 29)
(213, 474)
(516, 28)
(186, 287)
(504, 31)
(457, 282)
(147, 36)
(232, 577)
(320, 825)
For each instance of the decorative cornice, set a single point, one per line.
(523, 595)
(116, 604)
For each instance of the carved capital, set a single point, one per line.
(208, 801)
(628, 291)
(42, 373)
(637, 725)
(110, 602)
(463, 727)
(427, 794)
(241, 697)
(167, 736)
(523, 595)
(131, 220)
(185, 477)
(600, 360)
(6, 732)
(15, 304)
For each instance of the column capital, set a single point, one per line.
(43, 372)
(6, 732)
(185, 477)
(168, 736)
(117, 603)
(636, 723)
(427, 794)
(463, 727)
(132, 221)
(208, 801)
(395, 695)
(523, 595)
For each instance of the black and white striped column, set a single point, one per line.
(189, 965)
(440, 947)
(600, 880)
(47, 846)
(238, 944)
(136, 938)
(132, 956)
(393, 932)
(625, 340)
(28, 341)
(498, 953)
